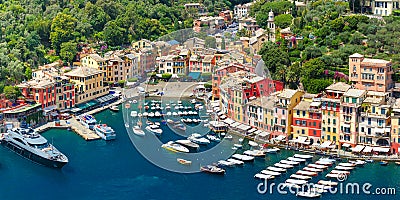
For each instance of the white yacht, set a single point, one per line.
(33, 146)
(105, 132)
(138, 131)
(171, 146)
(154, 129)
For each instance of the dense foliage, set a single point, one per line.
(36, 32)
(330, 34)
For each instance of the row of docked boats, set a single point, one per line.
(102, 130)
(135, 113)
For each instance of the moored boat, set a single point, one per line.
(236, 162)
(171, 146)
(328, 183)
(114, 108)
(88, 121)
(188, 144)
(309, 194)
(138, 131)
(212, 169)
(264, 176)
(397, 163)
(31, 145)
(383, 163)
(105, 132)
(154, 129)
(183, 161)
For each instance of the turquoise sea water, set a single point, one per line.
(115, 170)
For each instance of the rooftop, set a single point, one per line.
(97, 57)
(356, 55)
(354, 93)
(264, 102)
(339, 86)
(83, 72)
(374, 61)
(303, 105)
(287, 93)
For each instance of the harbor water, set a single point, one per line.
(116, 170)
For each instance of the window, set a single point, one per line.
(333, 130)
(334, 121)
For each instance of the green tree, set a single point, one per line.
(283, 20)
(62, 30)
(274, 56)
(11, 92)
(113, 34)
(28, 73)
(68, 51)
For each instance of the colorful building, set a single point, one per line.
(260, 112)
(89, 84)
(350, 108)
(307, 119)
(331, 111)
(42, 91)
(287, 99)
(395, 128)
(370, 74)
(374, 120)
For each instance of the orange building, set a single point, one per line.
(370, 74)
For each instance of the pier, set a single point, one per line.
(74, 125)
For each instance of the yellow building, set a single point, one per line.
(142, 44)
(95, 61)
(331, 112)
(300, 122)
(394, 136)
(88, 82)
(287, 100)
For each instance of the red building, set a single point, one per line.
(221, 73)
(41, 91)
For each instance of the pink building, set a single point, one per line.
(370, 74)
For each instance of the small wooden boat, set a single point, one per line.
(383, 163)
(369, 160)
(127, 105)
(183, 161)
(397, 163)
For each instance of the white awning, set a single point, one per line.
(367, 149)
(251, 130)
(253, 144)
(280, 137)
(235, 124)
(301, 139)
(229, 121)
(346, 145)
(263, 134)
(326, 144)
(358, 148)
(381, 149)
